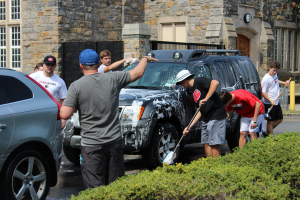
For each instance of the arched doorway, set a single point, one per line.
(243, 44)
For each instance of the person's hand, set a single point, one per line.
(273, 103)
(202, 102)
(149, 59)
(63, 123)
(126, 59)
(185, 131)
(253, 126)
(287, 83)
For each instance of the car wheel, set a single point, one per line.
(164, 141)
(72, 154)
(234, 137)
(27, 177)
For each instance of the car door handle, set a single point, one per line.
(2, 126)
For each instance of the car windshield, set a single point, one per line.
(157, 75)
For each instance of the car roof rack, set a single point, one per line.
(223, 51)
(4, 68)
(191, 54)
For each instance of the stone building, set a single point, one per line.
(264, 30)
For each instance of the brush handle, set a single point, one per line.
(187, 128)
(278, 96)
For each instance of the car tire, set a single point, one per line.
(165, 139)
(234, 137)
(72, 154)
(27, 174)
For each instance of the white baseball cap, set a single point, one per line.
(184, 74)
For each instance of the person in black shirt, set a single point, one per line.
(212, 111)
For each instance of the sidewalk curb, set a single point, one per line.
(291, 114)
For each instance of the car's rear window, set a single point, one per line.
(12, 90)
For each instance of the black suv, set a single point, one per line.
(154, 111)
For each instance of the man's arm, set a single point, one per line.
(284, 82)
(63, 122)
(114, 65)
(228, 114)
(256, 112)
(66, 112)
(139, 70)
(198, 116)
(212, 88)
(268, 98)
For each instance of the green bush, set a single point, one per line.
(276, 156)
(263, 169)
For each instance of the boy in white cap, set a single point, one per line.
(212, 111)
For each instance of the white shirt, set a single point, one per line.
(101, 68)
(270, 86)
(55, 85)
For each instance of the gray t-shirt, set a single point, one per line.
(96, 96)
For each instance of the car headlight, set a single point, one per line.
(132, 113)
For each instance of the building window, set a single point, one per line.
(286, 48)
(3, 47)
(289, 56)
(174, 32)
(296, 52)
(15, 47)
(2, 10)
(15, 9)
(10, 48)
(276, 45)
(282, 49)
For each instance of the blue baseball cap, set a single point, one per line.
(89, 57)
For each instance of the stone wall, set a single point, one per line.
(39, 32)
(86, 21)
(48, 23)
(279, 10)
(197, 12)
(231, 6)
(133, 11)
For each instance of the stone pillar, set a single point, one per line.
(221, 30)
(136, 38)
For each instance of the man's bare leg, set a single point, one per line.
(242, 140)
(270, 127)
(272, 124)
(207, 149)
(253, 136)
(276, 123)
(215, 149)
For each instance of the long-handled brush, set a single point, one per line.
(267, 114)
(169, 159)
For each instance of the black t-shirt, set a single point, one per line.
(214, 108)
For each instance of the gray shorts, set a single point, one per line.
(213, 132)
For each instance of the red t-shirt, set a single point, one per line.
(244, 103)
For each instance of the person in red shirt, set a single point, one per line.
(249, 107)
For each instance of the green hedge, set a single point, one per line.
(264, 169)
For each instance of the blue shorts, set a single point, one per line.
(213, 132)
